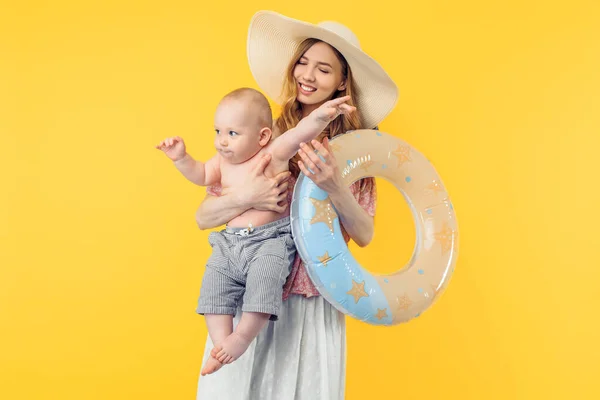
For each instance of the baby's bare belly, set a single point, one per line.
(235, 176)
(256, 218)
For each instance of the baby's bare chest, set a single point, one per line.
(236, 175)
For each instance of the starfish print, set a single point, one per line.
(445, 238)
(357, 291)
(381, 313)
(323, 212)
(403, 302)
(366, 165)
(435, 187)
(324, 259)
(403, 154)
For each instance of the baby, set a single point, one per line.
(252, 256)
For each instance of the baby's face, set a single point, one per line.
(238, 133)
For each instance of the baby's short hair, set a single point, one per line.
(257, 100)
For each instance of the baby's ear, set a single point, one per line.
(265, 136)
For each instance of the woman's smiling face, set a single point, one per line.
(318, 75)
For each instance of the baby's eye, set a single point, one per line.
(233, 133)
(216, 130)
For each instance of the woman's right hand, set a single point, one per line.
(263, 193)
(258, 192)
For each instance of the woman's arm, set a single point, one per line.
(216, 211)
(259, 192)
(356, 221)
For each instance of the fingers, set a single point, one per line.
(308, 162)
(332, 113)
(168, 142)
(337, 106)
(325, 151)
(311, 158)
(282, 189)
(322, 149)
(259, 169)
(282, 178)
(282, 196)
(162, 145)
(280, 207)
(346, 109)
(303, 168)
(337, 101)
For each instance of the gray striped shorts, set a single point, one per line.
(249, 266)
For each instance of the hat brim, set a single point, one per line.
(272, 40)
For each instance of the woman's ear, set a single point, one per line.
(342, 85)
(265, 136)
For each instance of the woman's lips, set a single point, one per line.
(306, 89)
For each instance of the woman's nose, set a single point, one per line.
(309, 74)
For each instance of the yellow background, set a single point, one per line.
(101, 259)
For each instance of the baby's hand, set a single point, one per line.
(173, 147)
(332, 108)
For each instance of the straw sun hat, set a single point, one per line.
(273, 39)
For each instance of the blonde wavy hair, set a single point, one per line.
(291, 109)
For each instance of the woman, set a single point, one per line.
(303, 355)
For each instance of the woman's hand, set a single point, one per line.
(263, 193)
(326, 175)
(325, 172)
(259, 192)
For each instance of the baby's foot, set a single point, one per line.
(232, 348)
(212, 365)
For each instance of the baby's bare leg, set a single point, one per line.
(219, 328)
(237, 343)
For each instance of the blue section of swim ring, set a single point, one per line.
(334, 280)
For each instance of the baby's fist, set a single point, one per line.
(332, 108)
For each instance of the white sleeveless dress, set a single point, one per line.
(302, 356)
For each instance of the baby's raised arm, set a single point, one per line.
(202, 174)
(198, 172)
(287, 145)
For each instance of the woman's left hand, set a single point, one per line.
(325, 173)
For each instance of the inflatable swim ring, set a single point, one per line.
(350, 287)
